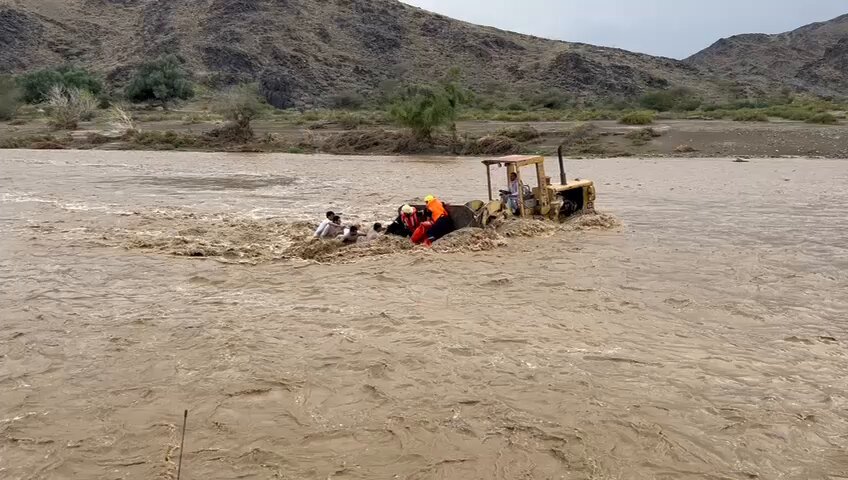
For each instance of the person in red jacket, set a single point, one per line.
(407, 221)
(422, 234)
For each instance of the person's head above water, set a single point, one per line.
(354, 229)
(378, 227)
(337, 219)
(407, 209)
(330, 215)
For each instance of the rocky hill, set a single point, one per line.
(312, 48)
(307, 50)
(812, 58)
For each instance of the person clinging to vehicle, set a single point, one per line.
(350, 235)
(375, 232)
(406, 223)
(438, 214)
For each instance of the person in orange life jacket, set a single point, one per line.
(442, 223)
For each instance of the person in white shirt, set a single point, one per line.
(334, 229)
(514, 190)
(375, 232)
(514, 184)
(350, 235)
(319, 232)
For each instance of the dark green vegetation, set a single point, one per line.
(9, 98)
(424, 108)
(160, 81)
(401, 118)
(36, 86)
(637, 118)
(823, 119)
(421, 108)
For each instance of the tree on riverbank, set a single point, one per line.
(239, 106)
(424, 108)
(160, 81)
(37, 86)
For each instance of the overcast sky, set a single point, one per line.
(672, 28)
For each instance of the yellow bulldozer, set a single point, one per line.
(547, 200)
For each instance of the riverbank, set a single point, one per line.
(603, 138)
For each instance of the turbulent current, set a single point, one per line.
(696, 329)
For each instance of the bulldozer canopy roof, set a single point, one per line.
(520, 160)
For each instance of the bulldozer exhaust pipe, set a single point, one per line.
(561, 166)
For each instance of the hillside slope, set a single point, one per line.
(812, 58)
(314, 48)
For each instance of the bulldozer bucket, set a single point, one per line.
(462, 216)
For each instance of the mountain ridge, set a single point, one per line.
(807, 58)
(311, 49)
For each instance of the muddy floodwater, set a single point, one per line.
(702, 334)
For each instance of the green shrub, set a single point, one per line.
(789, 112)
(347, 101)
(424, 108)
(37, 85)
(240, 106)
(688, 104)
(161, 81)
(347, 120)
(527, 117)
(9, 98)
(311, 116)
(167, 140)
(823, 119)
(677, 99)
(485, 103)
(661, 101)
(551, 99)
(637, 118)
(750, 115)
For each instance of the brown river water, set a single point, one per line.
(699, 329)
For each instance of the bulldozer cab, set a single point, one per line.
(546, 199)
(514, 164)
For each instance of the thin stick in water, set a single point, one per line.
(182, 444)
